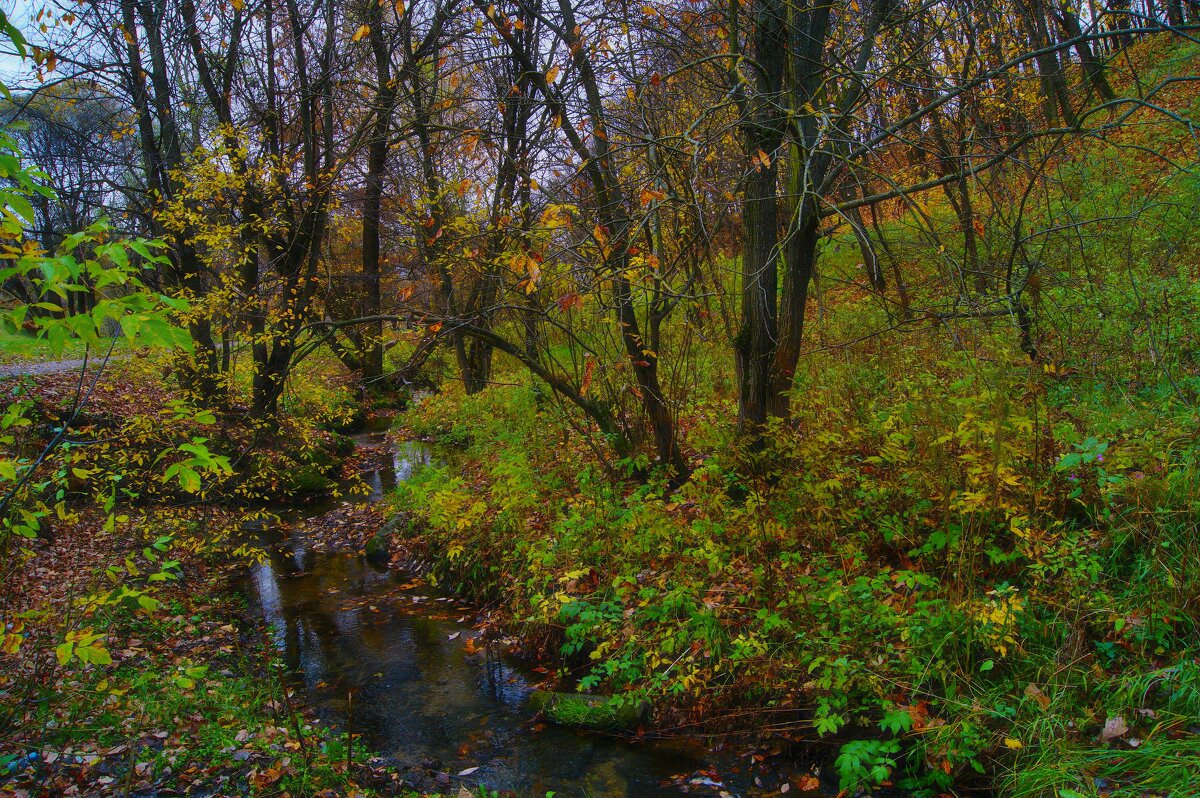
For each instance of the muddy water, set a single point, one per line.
(402, 665)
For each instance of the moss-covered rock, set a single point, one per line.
(305, 478)
(323, 460)
(378, 550)
(341, 445)
(607, 713)
(347, 420)
(397, 399)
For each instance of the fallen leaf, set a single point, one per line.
(1032, 691)
(1113, 728)
(808, 782)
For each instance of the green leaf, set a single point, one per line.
(896, 721)
(96, 655)
(21, 207)
(189, 480)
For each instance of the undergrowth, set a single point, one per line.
(956, 575)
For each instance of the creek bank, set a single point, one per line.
(191, 701)
(422, 677)
(599, 713)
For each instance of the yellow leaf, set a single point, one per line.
(237, 4)
(362, 33)
(551, 74)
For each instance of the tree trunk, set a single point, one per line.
(870, 258)
(1092, 67)
(371, 357)
(762, 138)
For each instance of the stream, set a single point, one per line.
(402, 665)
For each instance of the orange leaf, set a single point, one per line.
(807, 782)
(570, 301)
(650, 195)
(587, 376)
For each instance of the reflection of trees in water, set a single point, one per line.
(417, 695)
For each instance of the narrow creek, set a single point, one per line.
(427, 696)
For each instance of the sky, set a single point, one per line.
(21, 14)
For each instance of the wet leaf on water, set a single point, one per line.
(808, 782)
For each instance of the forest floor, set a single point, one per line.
(184, 693)
(193, 699)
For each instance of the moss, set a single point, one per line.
(353, 417)
(377, 550)
(341, 445)
(609, 713)
(391, 400)
(306, 478)
(323, 460)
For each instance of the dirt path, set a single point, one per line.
(51, 367)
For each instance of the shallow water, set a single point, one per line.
(403, 666)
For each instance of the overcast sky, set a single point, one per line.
(21, 14)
